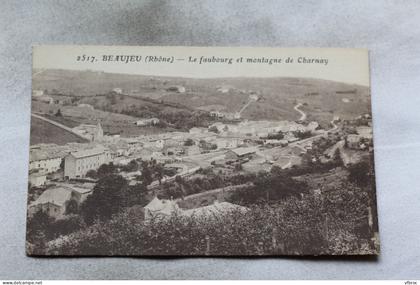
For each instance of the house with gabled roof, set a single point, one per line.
(158, 209)
(54, 200)
(240, 152)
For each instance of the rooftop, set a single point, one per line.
(57, 196)
(88, 152)
(81, 189)
(37, 154)
(37, 174)
(244, 150)
(166, 207)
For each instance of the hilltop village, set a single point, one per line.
(207, 168)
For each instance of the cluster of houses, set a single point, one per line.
(249, 144)
(51, 164)
(147, 122)
(41, 96)
(263, 128)
(234, 116)
(225, 115)
(350, 146)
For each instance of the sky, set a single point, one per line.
(342, 65)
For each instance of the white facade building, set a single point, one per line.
(117, 90)
(48, 165)
(147, 122)
(37, 179)
(227, 142)
(78, 163)
(46, 159)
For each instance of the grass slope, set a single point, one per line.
(325, 99)
(44, 132)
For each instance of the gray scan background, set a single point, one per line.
(390, 29)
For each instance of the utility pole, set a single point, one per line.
(326, 226)
(207, 238)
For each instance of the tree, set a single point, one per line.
(213, 129)
(180, 182)
(146, 174)
(169, 172)
(92, 174)
(337, 157)
(72, 207)
(179, 179)
(276, 136)
(106, 170)
(360, 173)
(302, 134)
(207, 146)
(38, 228)
(132, 166)
(66, 226)
(135, 195)
(270, 186)
(159, 171)
(106, 199)
(189, 142)
(113, 99)
(58, 113)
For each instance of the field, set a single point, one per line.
(72, 116)
(44, 132)
(322, 99)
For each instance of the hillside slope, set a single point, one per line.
(277, 96)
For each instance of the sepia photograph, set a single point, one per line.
(172, 151)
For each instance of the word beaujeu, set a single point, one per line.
(138, 58)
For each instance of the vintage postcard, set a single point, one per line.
(196, 151)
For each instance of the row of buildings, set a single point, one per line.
(77, 159)
(262, 128)
(47, 160)
(232, 145)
